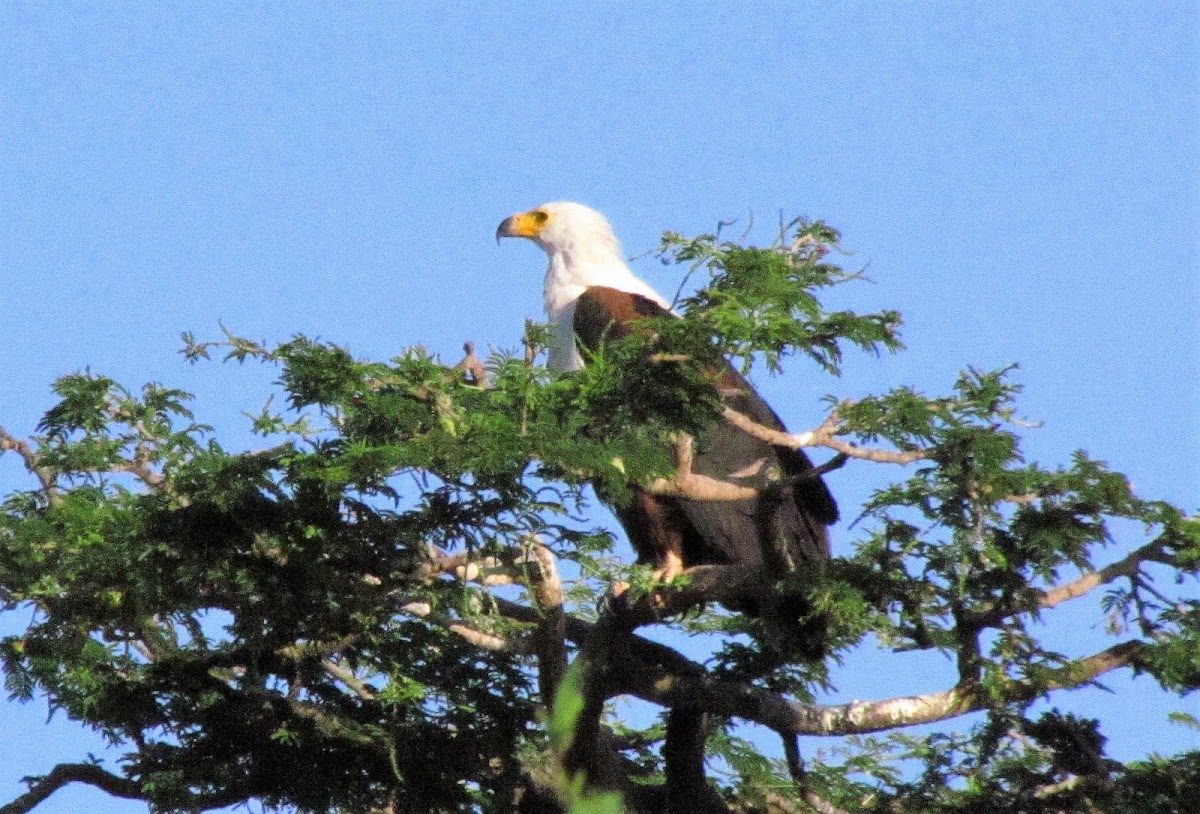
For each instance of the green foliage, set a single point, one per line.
(563, 724)
(763, 300)
(300, 624)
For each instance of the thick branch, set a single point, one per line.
(686, 483)
(93, 775)
(661, 675)
(32, 464)
(590, 751)
(699, 584)
(860, 717)
(547, 591)
(65, 773)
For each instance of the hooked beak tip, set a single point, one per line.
(508, 228)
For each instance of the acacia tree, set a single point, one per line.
(374, 610)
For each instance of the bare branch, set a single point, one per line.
(1042, 792)
(347, 677)
(479, 638)
(861, 717)
(32, 464)
(91, 774)
(823, 436)
(1125, 567)
(822, 806)
(686, 483)
(698, 584)
(482, 640)
(547, 590)
(488, 570)
(661, 675)
(1041, 600)
(65, 773)
(140, 468)
(143, 650)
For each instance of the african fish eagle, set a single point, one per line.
(591, 295)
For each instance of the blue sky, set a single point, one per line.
(1020, 180)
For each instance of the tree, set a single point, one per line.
(373, 611)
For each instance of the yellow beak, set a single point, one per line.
(526, 224)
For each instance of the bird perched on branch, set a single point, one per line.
(592, 296)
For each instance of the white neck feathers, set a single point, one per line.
(583, 253)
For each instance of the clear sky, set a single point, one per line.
(1020, 179)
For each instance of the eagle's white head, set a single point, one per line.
(583, 253)
(566, 229)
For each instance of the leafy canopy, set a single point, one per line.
(369, 612)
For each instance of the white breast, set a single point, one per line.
(565, 283)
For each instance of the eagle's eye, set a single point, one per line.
(539, 216)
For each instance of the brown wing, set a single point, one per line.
(774, 529)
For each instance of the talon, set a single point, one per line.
(672, 567)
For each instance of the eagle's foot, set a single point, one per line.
(671, 567)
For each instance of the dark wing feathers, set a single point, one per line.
(605, 313)
(775, 528)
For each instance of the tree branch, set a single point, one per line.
(480, 638)
(861, 717)
(699, 584)
(1044, 599)
(823, 436)
(65, 773)
(590, 751)
(347, 677)
(547, 590)
(686, 483)
(91, 774)
(32, 464)
(1125, 567)
(662, 675)
(491, 571)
